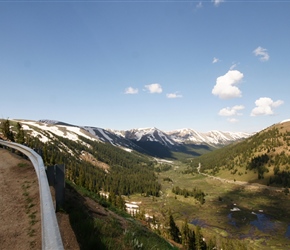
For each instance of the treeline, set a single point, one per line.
(195, 193)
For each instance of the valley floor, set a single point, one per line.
(254, 214)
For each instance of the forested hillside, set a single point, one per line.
(266, 154)
(128, 172)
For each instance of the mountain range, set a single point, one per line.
(151, 141)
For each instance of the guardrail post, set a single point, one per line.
(50, 175)
(59, 186)
(56, 178)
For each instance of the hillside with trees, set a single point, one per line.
(128, 173)
(264, 157)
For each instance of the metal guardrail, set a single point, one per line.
(51, 238)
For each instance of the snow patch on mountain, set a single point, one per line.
(68, 132)
(34, 133)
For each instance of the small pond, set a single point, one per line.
(257, 221)
(263, 223)
(198, 222)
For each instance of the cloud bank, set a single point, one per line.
(264, 106)
(225, 85)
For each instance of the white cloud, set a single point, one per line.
(225, 88)
(231, 111)
(215, 60)
(262, 53)
(264, 106)
(131, 90)
(217, 2)
(173, 95)
(154, 88)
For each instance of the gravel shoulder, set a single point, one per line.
(20, 219)
(20, 226)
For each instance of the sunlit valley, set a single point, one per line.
(170, 118)
(188, 195)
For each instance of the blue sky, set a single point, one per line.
(205, 65)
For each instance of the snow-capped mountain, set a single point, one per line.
(94, 133)
(213, 137)
(170, 139)
(150, 135)
(144, 140)
(109, 136)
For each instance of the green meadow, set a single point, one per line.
(261, 221)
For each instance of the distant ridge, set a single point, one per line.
(169, 139)
(150, 141)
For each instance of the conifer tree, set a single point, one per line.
(20, 134)
(6, 130)
(173, 230)
(120, 202)
(191, 243)
(199, 243)
(185, 235)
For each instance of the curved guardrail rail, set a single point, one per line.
(51, 238)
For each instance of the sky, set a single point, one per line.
(204, 65)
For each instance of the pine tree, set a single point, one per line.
(120, 202)
(6, 130)
(199, 243)
(173, 230)
(191, 243)
(185, 235)
(20, 134)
